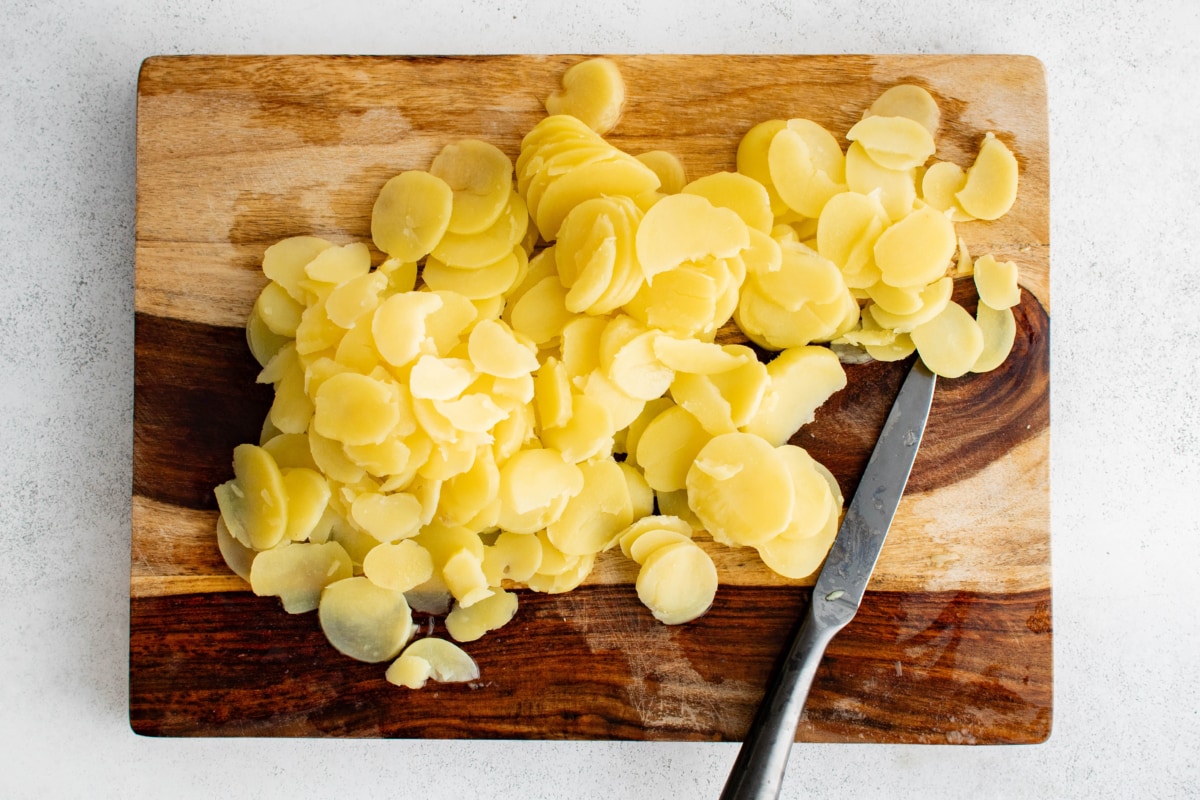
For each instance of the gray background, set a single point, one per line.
(1125, 135)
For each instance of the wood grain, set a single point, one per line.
(234, 153)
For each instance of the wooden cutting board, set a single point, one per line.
(953, 642)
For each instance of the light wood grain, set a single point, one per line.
(235, 153)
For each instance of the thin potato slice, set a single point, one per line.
(897, 143)
(284, 262)
(463, 574)
(667, 448)
(477, 250)
(593, 518)
(238, 557)
(931, 300)
(254, 503)
(687, 227)
(801, 380)
(624, 176)
(916, 250)
(636, 370)
(297, 573)
(399, 325)
(939, 185)
(647, 524)
(411, 214)
(469, 623)
(671, 174)
(513, 556)
(908, 100)
(592, 90)
(364, 621)
(991, 187)
(278, 311)
(535, 486)
(587, 434)
(999, 328)
(307, 497)
(541, 312)
(448, 663)
(336, 265)
(677, 583)
(997, 282)
(740, 193)
(480, 176)
(356, 409)
(478, 283)
(387, 517)
(807, 166)
(696, 356)
(950, 343)
(799, 558)
(849, 225)
(644, 545)
(814, 500)
(740, 489)
(401, 566)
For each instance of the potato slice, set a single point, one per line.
(336, 265)
(387, 517)
(264, 343)
(622, 409)
(399, 325)
(364, 621)
(799, 558)
(696, 356)
(930, 302)
(681, 301)
(939, 185)
(592, 90)
(648, 524)
(469, 623)
(597, 514)
(991, 187)
(916, 250)
(669, 446)
(480, 176)
(849, 225)
(479, 283)
(814, 500)
(896, 190)
(541, 312)
(908, 100)
(802, 379)
(677, 583)
(636, 370)
(400, 566)
(687, 227)
(535, 486)
(411, 214)
(807, 166)
(897, 143)
(672, 176)
(950, 343)
(446, 663)
(804, 278)
(624, 176)
(238, 557)
(740, 489)
(356, 409)
(297, 573)
(512, 556)
(477, 250)
(997, 282)
(254, 502)
(740, 193)
(587, 434)
(278, 311)
(307, 497)
(463, 574)
(999, 328)
(753, 159)
(284, 262)
(648, 541)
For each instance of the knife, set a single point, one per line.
(757, 774)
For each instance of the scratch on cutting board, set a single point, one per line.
(664, 688)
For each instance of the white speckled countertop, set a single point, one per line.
(1125, 199)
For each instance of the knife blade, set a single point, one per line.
(757, 774)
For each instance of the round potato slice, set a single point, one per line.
(814, 500)
(469, 623)
(254, 503)
(356, 409)
(916, 250)
(999, 328)
(284, 262)
(908, 100)
(930, 302)
(687, 227)
(364, 621)
(799, 558)
(740, 193)
(448, 663)
(939, 185)
(672, 176)
(897, 143)
(592, 90)
(991, 187)
(401, 566)
(480, 176)
(677, 583)
(950, 343)
(668, 447)
(512, 556)
(411, 214)
(297, 573)
(997, 282)
(535, 486)
(807, 166)
(593, 518)
(740, 489)
(896, 190)
(387, 517)
(801, 380)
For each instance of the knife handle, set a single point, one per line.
(757, 774)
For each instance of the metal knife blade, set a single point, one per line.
(757, 774)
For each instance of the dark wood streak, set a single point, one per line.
(194, 400)
(916, 667)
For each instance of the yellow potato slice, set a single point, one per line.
(622, 409)
(466, 493)
(907, 100)
(931, 300)
(401, 566)
(650, 524)
(636, 370)
(897, 142)
(336, 265)
(364, 621)
(291, 409)
(667, 448)
(330, 457)
(278, 311)
(411, 214)
(636, 428)
(307, 497)
(896, 190)
(297, 573)
(586, 252)
(807, 166)
(700, 396)
(495, 350)
(675, 504)
(686, 227)
(356, 409)
(399, 325)
(804, 277)
(648, 541)
(290, 450)
(552, 394)
(597, 514)
(991, 187)
(802, 379)
(740, 489)
(254, 503)
(895, 347)
(480, 176)
(446, 324)
(999, 328)
(356, 351)
(950, 343)
(849, 225)
(592, 90)
(696, 356)
(799, 558)
(623, 176)
(238, 557)
(264, 343)
(996, 282)
(939, 185)
(469, 623)
(681, 301)
(753, 158)
(480, 283)
(401, 274)
(512, 556)
(587, 434)
(744, 386)
(446, 663)
(565, 580)
(535, 486)
(814, 500)
(677, 583)
(284, 262)
(895, 301)
(477, 250)
(764, 254)
(672, 176)
(773, 327)
(463, 574)
(387, 517)
(434, 378)
(541, 312)
(740, 193)
(916, 250)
